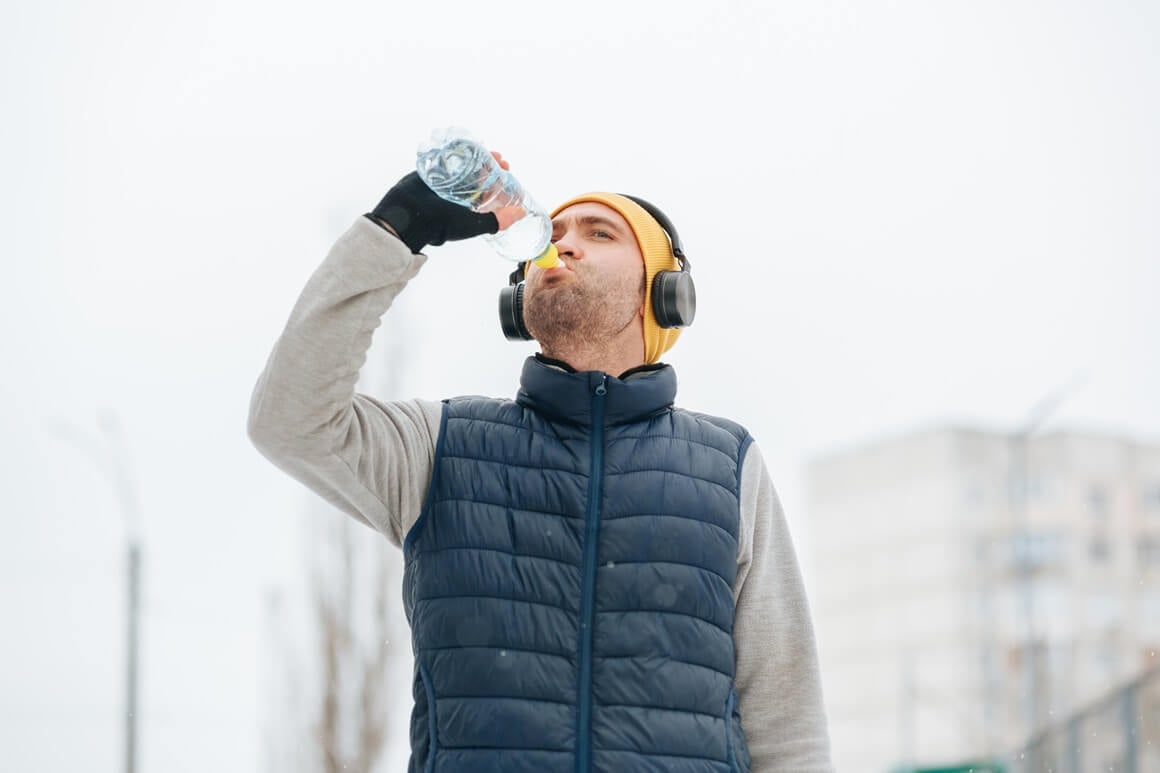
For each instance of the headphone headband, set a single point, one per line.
(667, 225)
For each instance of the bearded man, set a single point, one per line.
(595, 579)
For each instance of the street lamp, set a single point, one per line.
(1026, 553)
(112, 459)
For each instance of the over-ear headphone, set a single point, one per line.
(674, 298)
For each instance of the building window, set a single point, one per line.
(1036, 550)
(1105, 610)
(1150, 498)
(1097, 502)
(975, 496)
(1038, 488)
(1099, 550)
(1148, 552)
(1106, 658)
(1149, 619)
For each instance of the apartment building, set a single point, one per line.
(970, 587)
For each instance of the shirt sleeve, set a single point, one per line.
(369, 458)
(778, 680)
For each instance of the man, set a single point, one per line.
(595, 579)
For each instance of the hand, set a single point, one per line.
(419, 217)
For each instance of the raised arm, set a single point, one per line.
(369, 458)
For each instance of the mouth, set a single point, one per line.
(548, 275)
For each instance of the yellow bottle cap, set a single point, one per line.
(550, 258)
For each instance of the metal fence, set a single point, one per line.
(1118, 734)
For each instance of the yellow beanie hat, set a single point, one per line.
(658, 256)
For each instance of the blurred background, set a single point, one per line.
(927, 252)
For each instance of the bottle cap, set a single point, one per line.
(549, 259)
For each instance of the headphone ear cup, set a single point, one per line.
(511, 313)
(674, 298)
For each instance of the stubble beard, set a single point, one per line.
(575, 315)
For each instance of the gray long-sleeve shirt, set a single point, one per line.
(374, 459)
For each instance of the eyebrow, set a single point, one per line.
(590, 220)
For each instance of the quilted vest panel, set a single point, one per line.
(569, 584)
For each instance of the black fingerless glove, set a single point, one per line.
(420, 217)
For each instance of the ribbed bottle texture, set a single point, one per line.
(461, 170)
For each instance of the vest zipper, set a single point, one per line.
(587, 600)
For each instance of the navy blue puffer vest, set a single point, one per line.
(569, 583)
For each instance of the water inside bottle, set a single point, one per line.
(524, 239)
(464, 172)
(459, 169)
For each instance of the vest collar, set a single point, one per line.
(549, 388)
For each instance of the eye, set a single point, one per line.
(598, 234)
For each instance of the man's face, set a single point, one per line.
(598, 291)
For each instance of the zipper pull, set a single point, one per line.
(600, 389)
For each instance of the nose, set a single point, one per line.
(567, 243)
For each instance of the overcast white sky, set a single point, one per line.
(899, 214)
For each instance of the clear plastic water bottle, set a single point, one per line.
(460, 169)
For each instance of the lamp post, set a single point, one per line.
(1025, 552)
(111, 458)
